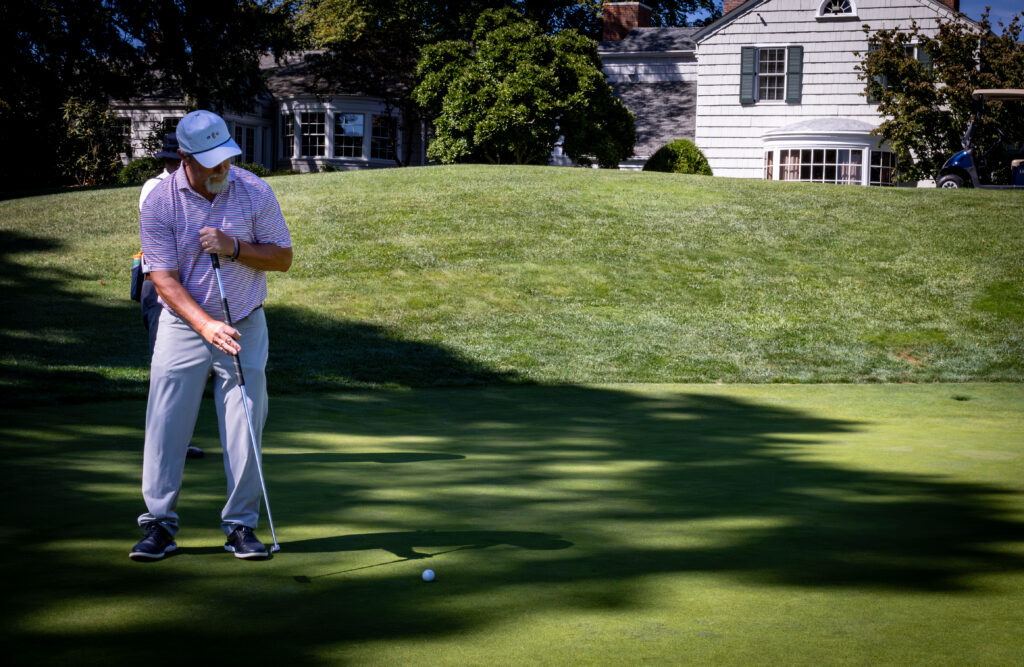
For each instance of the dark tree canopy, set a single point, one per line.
(96, 51)
(923, 86)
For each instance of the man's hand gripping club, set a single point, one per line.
(222, 336)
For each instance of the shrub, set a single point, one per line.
(257, 169)
(679, 157)
(285, 172)
(93, 143)
(139, 171)
(328, 168)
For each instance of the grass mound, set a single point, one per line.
(472, 274)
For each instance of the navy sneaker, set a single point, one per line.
(157, 543)
(194, 452)
(244, 543)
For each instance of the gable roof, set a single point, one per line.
(652, 41)
(714, 27)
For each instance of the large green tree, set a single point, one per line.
(333, 22)
(508, 94)
(95, 51)
(372, 46)
(923, 87)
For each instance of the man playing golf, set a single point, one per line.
(151, 307)
(208, 207)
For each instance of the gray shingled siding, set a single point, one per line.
(664, 111)
(654, 40)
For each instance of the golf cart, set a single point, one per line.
(999, 167)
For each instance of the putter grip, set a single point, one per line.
(215, 260)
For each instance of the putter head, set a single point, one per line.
(275, 548)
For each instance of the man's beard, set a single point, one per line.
(215, 187)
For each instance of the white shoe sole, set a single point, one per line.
(255, 554)
(145, 555)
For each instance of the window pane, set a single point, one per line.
(287, 135)
(383, 136)
(771, 68)
(314, 137)
(882, 164)
(348, 135)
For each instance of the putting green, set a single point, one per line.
(674, 524)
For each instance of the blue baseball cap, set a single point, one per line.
(205, 136)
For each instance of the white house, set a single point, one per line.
(293, 127)
(342, 129)
(253, 128)
(776, 95)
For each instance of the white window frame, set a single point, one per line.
(239, 134)
(372, 136)
(303, 153)
(817, 163)
(288, 152)
(875, 167)
(881, 173)
(337, 115)
(781, 75)
(850, 14)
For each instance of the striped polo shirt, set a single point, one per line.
(247, 210)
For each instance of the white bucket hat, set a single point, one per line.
(205, 136)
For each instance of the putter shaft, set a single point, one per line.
(245, 401)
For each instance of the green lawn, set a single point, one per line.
(626, 417)
(616, 524)
(449, 275)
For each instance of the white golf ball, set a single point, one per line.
(428, 575)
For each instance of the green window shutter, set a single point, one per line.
(748, 74)
(794, 73)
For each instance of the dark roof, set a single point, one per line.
(295, 76)
(652, 40)
(292, 76)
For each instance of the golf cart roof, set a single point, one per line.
(1001, 94)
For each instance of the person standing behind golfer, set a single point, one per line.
(205, 207)
(151, 307)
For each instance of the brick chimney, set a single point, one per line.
(733, 4)
(952, 4)
(621, 17)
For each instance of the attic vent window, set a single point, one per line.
(837, 9)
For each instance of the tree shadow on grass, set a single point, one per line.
(58, 346)
(584, 491)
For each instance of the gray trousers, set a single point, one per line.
(151, 310)
(182, 363)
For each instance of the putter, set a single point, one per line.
(240, 379)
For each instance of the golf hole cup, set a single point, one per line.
(428, 575)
